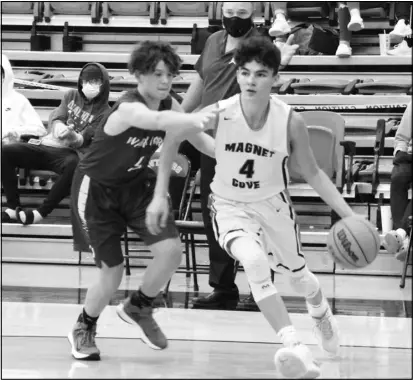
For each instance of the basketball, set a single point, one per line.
(353, 242)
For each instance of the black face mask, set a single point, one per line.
(236, 26)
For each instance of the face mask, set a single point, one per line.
(91, 91)
(236, 26)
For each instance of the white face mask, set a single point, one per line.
(91, 90)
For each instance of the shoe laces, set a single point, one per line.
(325, 325)
(88, 336)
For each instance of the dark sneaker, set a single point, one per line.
(152, 335)
(217, 300)
(82, 339)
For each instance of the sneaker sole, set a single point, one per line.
(292, 366)
(78, 355)
(120, 310)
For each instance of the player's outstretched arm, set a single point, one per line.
(303, 161)
(138, 115)
(158, 210)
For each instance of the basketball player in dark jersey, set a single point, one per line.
(113, 188)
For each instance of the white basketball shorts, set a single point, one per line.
(271, 222)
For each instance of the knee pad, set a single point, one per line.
(258, 274)
(305, 283)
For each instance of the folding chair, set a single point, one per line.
(406, 260)
(181, 169)
(188, 228)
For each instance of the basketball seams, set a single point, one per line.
(375, 240)
(338, 247)
(354, 238)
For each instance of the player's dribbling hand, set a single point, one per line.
(288, 50)
(157, 214)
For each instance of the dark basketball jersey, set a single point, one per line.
(123, 159)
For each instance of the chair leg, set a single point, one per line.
(79, 261)
(194, 266)
(125, 239)
(236, 266)
(406, 263)
(166, 290)
(187, 263)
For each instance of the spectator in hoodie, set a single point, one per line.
(71, 129)
(397, 241)
(18, 117)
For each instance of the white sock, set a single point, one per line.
(318, 311)
(355, 13)
(288, 336)
(11, 213)
(402, 233)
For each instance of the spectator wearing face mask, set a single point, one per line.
(71, 129)
(18, 117)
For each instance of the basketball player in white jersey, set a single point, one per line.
(257, 137)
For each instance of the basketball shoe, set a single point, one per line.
(401, 29)
(82, 340)
(142, 316)
(402, 49)
(327, 332)
(296, 362)
(280, 27)
(343, 51)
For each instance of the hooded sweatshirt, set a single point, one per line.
(83, 114)
(403, 139)
(17, 114)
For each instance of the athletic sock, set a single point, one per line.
(139, 299)
(85, 318)
(318, 311)
(288, 336)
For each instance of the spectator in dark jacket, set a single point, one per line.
(71, 129)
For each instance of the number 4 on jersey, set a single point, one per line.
(247, 169)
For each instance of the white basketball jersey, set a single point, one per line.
(251, 165)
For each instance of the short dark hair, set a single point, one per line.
(260, 49)
(147, 54)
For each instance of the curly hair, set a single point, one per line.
(147, 54)
(260, 49)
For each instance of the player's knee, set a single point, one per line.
(305, 283)
(257, 270)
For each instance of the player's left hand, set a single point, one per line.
(288, 50)
(157, 214)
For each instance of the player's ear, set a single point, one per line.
(276, 78)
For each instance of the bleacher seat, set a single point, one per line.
(126, 13)
(21, 12)
(67, 9)
(185, 14)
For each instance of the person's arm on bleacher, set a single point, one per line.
(302, 161)
(59, 117)
(193, 96)
(404, 132)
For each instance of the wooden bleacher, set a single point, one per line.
(108, 36)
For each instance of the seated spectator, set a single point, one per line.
(18, 117)
(402, 13)
(397, 240)
(349, 20)
(71, 129)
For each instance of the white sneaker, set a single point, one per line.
(401, 29)
(401, 49)
(356, 24)
(296, 363)
(279, 28)
(402, 253)
(343, 51)
(393, 241)
(327, 333)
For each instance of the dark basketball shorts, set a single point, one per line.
(100, 216)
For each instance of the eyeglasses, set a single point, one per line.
(95, 82)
